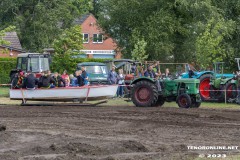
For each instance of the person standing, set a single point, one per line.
(121, 78)
(112, 76)
(80, 79)
(84, 75)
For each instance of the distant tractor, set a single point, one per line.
(34, 62)
(148, 92)
(209, 80)
(218, 82)
(231, 87)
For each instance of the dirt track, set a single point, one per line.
(58, 132)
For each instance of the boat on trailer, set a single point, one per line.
(65, 94)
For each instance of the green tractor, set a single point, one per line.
(231, 86)
(148, 92)
(218, 84)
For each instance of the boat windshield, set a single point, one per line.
(96, 69)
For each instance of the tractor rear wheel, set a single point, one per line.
(204, 87)
(144, 94)
(184, 101)
(231, 91)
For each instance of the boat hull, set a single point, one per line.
(65, 94)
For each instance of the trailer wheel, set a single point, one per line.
(184, 101)
(204, 86)
(144, 94)
(160, 101)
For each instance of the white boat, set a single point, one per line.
(86, 93)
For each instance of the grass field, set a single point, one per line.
(4, 91)
(121, 102)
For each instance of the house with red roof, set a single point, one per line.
(14, 48)
(96, 43)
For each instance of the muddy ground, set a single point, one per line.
(114, 132)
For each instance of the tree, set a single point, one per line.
(39, 22)
(2, 34)
(139, 52)
(210, 44)
(176, 30)
(66, 47)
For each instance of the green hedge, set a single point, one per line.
(6, 65)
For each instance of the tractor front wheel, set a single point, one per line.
(144, 94)
(184, 101)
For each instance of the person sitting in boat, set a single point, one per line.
(59, 81)
(66, 78)
(31, 81)
(80, 79)
(73, 80)
(46, 81)
(112, 76)
(84, 75)
(18, 80)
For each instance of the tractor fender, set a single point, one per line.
(203, 73)
(142, 78)
(225, 81)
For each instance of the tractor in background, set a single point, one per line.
(231, 87)
(34, 62)
(209, 80)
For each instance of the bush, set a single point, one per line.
(6, 65)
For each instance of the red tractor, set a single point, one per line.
(34, 62)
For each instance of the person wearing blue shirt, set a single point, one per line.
(149, 72)
(84, 75)
(112, 76)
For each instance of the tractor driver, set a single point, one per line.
(149, 72)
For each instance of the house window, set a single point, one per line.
(85, 38)
(97, 38)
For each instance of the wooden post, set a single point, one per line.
(23, 98)
(225, 96)
(87, 94)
